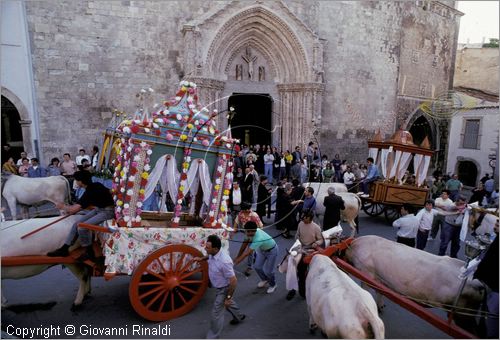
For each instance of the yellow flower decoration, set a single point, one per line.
(185, 165)
(181, 188)
(226, 192)
(190, 126)
(145, 175)
(142, 191)
(120, 203)
(183, 137)
(222, 209)
(122, 173)
(183, 88)
(118, 167)
(217, 187)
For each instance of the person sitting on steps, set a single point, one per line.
(96, 195)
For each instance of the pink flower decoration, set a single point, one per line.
(169, 137)
(134, 164)
(137, 150)
(138, 211)
(205, 142)
(191, 90)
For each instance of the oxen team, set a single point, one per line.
(337, 305)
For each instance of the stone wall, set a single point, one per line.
(477, 68)
(361, 65)
(93, 56)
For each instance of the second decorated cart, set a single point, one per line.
(394, 157)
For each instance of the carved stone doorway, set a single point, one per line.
(252, 123)
(258, 47)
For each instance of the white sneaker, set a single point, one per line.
(430, 239)
(271, 289)
(262, 284)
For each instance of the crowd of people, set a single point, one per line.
(309, 166)
(24, 165)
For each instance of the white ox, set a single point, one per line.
(39, 243)
(351, 201)
(414, 273)
(337, 305)
(28, 191)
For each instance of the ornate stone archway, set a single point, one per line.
(219, 46)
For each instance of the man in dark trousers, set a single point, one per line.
(333, 204)
(96, 195)
(222, 278)
(247, 189)
(263, 196)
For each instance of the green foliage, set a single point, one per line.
(492, 44)
(106, 173)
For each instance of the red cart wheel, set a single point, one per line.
(168, 283)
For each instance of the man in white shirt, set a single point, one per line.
(349, 178)
(20, 160)
(268, 165)
(407, 226)
(81, 156)
(441, 203)
(425, 218)
(235, 199)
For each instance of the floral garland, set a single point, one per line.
(219, 220)
(130, 180)
(222, 218)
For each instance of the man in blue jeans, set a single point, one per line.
(266, 251)
(450, 230)
(96, 195)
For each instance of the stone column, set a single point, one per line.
(26, 130)
(299, 103)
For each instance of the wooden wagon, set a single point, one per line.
(394, 156)
(178, 150)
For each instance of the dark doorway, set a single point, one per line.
(421, 129)
(11, 128)
(252, 122)
(467, 173)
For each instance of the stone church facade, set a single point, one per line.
(337, 71)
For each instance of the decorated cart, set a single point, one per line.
(177, 151)
(394, 156)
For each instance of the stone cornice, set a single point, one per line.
(209, 83)
(300, 87)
